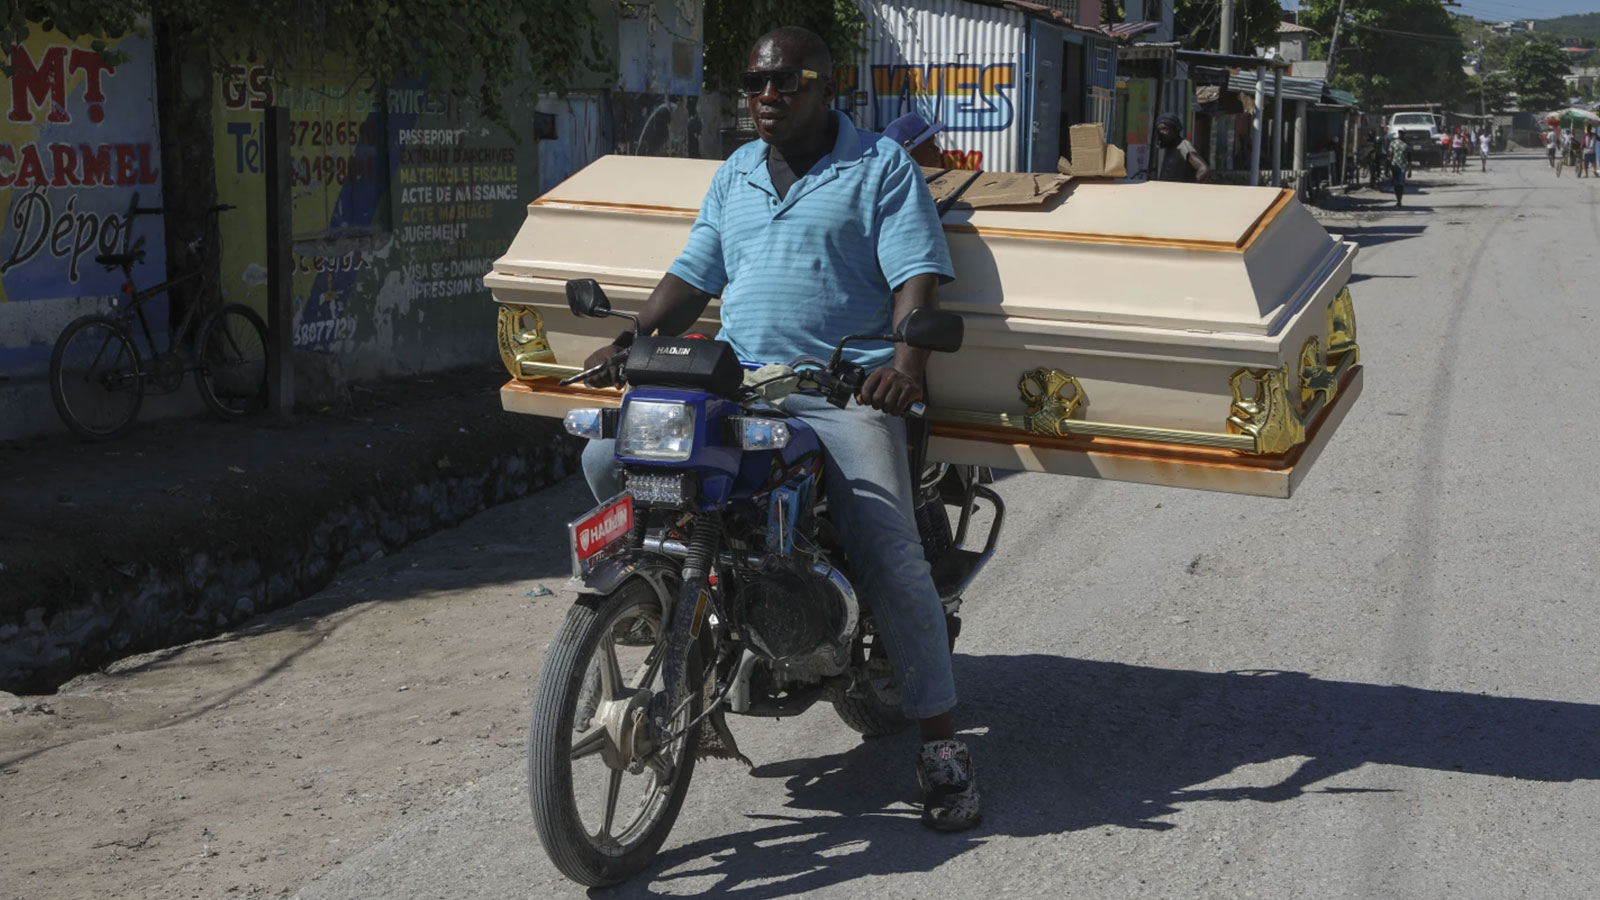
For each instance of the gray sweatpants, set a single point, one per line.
(868, 479)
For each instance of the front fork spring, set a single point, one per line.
(704, 538)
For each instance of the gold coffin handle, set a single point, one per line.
(519, 333)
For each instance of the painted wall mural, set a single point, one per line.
(78, 141)
(402, 199)
(968, 98)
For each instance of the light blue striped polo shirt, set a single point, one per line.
(798, 274)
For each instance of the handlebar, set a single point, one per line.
(837, 389)
(615, 361)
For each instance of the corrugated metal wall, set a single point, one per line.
(951, 61)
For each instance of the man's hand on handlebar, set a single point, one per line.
(607, 376)
(890, 390)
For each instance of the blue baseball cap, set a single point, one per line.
(911, 129)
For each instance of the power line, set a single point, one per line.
(1414, 35)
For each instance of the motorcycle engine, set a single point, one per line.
(792, 615)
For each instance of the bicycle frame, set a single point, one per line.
(134, 309)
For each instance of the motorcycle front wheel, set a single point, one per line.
(604, 798)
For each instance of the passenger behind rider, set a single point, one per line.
(913, 132)
(818, 231)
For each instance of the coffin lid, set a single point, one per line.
(1162, 255)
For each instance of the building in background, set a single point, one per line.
(1294, 41)
(1006, 77)
(1581, 80)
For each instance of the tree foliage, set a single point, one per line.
(1536, 70)
(1490, 92)
(1392, 51)
(1582, 25)
(1197, 24)
(464, 47)
(732, 26)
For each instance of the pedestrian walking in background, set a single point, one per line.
(1180, 161)
(1483, 149)
(1552, 141)
(1590, 143)
(1458, 147)
(1398, 153)
(1377, 157)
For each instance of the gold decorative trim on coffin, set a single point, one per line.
(1265, 423)
(1269, 416)
(519, 332)
(1050, 413)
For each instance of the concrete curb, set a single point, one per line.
(214, 588)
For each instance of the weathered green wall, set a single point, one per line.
(402, 200)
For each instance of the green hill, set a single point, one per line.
(1584, 25)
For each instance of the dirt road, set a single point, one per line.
(246, 765)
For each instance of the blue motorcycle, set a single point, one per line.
(713, 584)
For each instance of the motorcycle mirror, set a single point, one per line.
(933, 329)
(586, 299)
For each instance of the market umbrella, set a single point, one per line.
(1572, 117)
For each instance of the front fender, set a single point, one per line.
(657, 571)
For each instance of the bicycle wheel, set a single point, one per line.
(95, 378)
(232, 357)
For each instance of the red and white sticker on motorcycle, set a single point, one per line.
(599, 530)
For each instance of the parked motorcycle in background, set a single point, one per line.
(715, 583)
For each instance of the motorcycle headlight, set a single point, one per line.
(653, 429)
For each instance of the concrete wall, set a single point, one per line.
(77, 141)
(402, 199)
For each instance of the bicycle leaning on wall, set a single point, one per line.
(100, 373)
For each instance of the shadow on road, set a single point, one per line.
(1110, 745)
(1372, 235)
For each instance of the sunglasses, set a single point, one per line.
(784, 81)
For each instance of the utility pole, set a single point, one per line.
(280, 264)
(1333, 43)
(1226, 27)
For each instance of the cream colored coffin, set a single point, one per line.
(1187, 335)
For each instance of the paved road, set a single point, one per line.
(1383, 688)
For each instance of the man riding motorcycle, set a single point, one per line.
(818, 231)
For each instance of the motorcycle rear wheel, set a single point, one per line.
(597, 676)
(873, 709)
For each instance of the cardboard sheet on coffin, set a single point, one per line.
(1151, 295)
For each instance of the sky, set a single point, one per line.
(1501, 10)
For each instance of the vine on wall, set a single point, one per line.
(475, 48)
(733, 25)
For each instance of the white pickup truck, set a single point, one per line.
(1421, 133)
